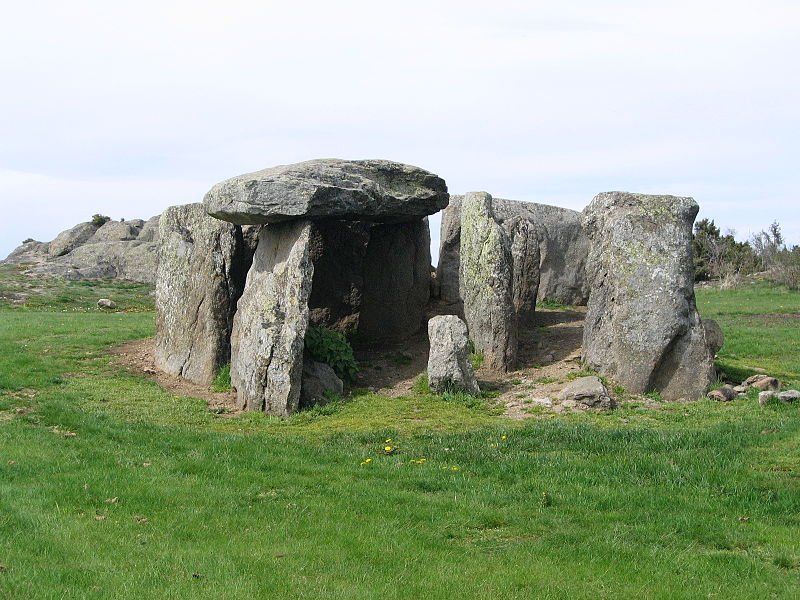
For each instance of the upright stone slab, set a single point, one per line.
(563, 249)
(198, 280)
(449, 366)
(397, 281)
(271, 321)
(338, 249)
(642, 326)
(486, 282)
(447, 272)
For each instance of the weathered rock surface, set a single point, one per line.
(199, 280)
(563, 249)
(371, 279)
(714, 335)
(31, 252)
(642, 327)
(106, 303)
(587, 392)
(397, 281)
(724, 394)
(271, 321)
(762, 382)
(766, 397)
(789, 396)
(318, 381)
(149, 232)
(117, 249)
(377, 190)
(68, 240)
(447, 273)
(133, 261)
(115, 231)
(338, 249)
(486, 282)
(449, 366)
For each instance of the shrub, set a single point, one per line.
(100, 220)
(28, 240)
(332, 348)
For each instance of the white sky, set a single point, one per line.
(126, 108)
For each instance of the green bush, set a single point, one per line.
(332, 348)
(100, 220)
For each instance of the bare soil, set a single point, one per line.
(549, 351)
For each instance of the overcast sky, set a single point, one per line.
(126, 108)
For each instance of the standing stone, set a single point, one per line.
(563, 249)
(372, 190)
(449, 366)
(642, 327)
(198, 280)
(525, 257)
(447, 273)
(486, 282)
(338, 249)
(271, 321)
(397, 281)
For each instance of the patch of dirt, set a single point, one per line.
(549, 352)
(137, 357)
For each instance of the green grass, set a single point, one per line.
(762, 330)
(155, 496)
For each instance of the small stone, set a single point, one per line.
(106, 303)
(543, 402)
(789, 396)
(724, 394)
(763, 382)
(318, 378)
(589, 392)
(765, 398)
(740, 389)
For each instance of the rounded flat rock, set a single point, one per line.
(371, 190)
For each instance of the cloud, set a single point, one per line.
(124, 107)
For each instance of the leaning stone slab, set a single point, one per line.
(375, 190)
(271, 321)
(449, 366)
(486, 282)
(642, 327)
(198, 280)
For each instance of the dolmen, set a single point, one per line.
(345, 245)
(334, 243)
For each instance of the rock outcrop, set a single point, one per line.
(199, 280)
(449, 366)
(563, 249)
(371, 190)
(271, 321)
(642, 327)
(117, 249)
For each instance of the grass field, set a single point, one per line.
(112, 488)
